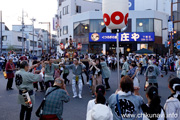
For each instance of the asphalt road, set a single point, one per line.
(76, 108)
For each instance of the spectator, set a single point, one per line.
(153, 110)
(124, 104)
(172, 105)
(97, 110)
(106, 73)
(100, 93)
(53, 107)
(97, 75)
(10, 67)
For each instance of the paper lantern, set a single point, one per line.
(62, 46)
(79, 47)
(115, 13)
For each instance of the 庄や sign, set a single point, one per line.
(123, 37)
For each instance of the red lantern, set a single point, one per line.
(62, 46)
(67, 55)
(79, 47)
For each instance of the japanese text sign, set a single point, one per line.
(123, 37)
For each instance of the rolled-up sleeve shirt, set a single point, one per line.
(54, 102)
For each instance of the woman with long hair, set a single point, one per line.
(153, 110)
(96, 109)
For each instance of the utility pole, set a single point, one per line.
(48, 23)
(1, 30)
(23, 31)
(33, 20)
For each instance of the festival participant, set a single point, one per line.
(144, 64)
(97, 75)
(10, 67)
(151, 74)
(86, 63)
(153, 109)
(56, 96)
(49, 72)
(24, 82)
(65, 74)
(172, 105)
(125, 68)
(165, 64)
(124, 104)
(106, 73)
(133, 74)
(77, 68)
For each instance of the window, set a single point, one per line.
(78, 9)
(4, 38)
(81, 28)
(60, 15)
(144, 25)
(97, 26)
(31, 43)
(65, 30)
(35, 44)
(158, 27)
(65, 10)
(60, 32)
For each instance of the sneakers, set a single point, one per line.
(80, 96)
(74, 96)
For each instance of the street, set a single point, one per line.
(76, 108)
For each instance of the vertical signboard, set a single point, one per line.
(131, 5)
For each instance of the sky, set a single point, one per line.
(41, 10)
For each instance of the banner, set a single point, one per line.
(123, 37)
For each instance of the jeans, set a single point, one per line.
(26, 110)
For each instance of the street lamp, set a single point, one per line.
(48, 23)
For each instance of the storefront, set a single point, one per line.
(105, 43)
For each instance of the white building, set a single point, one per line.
(80, 17)
(28, 33)
(11, 40)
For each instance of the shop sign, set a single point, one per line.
(178, 42)
(123, 37)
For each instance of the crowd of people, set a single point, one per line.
(50, 72)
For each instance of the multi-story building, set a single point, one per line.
(11, 40)
(28, 33)
(176, 17)
(78, 18)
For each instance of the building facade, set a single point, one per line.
(84, 17)
(11, 40)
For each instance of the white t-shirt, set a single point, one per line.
(90, 105)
